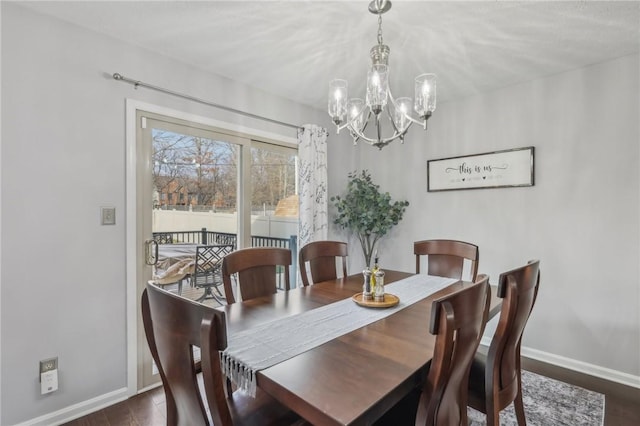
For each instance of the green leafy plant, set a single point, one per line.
(367, 212)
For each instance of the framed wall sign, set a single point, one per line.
(499, 169)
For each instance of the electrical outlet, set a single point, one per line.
(108, 215)
(48, 375)
(48, 365)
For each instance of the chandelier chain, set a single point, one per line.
(380, 29)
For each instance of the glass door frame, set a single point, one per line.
(147, 123)
(133, 261)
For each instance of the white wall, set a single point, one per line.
(63, 156)
(581, 219)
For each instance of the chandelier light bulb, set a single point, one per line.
(353, 111)
(401, 113)
(377, 88)
(425, 92)
(338, 100)
(355, 107)
(357, 117)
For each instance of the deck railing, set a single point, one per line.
(206, 237)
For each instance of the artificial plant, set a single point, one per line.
(367, 212)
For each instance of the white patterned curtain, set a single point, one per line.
(312, 184)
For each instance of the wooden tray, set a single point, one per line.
(389, 301)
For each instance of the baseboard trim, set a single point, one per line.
(575, 365)
(78, 410)
(148, 388)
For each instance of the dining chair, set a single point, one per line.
(495, 378)
(446, 258)
(458, 321)
(257, 270)
(207, 270)
(322, 257)
(175, 325)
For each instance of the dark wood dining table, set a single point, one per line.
(355, 378)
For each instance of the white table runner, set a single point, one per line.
(270, 343)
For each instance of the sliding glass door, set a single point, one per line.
(196, 181)
(189, 182)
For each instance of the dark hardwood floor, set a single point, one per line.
(145, 409)
(622, 403)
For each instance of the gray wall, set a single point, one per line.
(63, 156)
(581, 219)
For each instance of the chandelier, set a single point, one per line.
(356, 115)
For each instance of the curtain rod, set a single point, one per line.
(137, 83)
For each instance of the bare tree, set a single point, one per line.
(203, 172)
(273, 177)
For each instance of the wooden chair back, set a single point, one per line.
(502, 371)
(457, 321)
(446, 257)
(322, 256)
(256, 270)
(173, 326)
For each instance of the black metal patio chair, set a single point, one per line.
(207, 271)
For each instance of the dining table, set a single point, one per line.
(354, 378)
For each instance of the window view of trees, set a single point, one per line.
(193, 171)
(201, 174)
(273, 178)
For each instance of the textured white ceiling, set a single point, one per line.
(294, 48)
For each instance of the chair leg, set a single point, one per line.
(492, 412)
(208, 294)
(518, 405)
(493, 419)
(220, 300)
(216, 288)
(180, 287)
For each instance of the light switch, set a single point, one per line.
(108, 215)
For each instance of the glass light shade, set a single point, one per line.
(377, 87)
(338, 95)
(425, 94)
(401, 113)
(355, 113)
